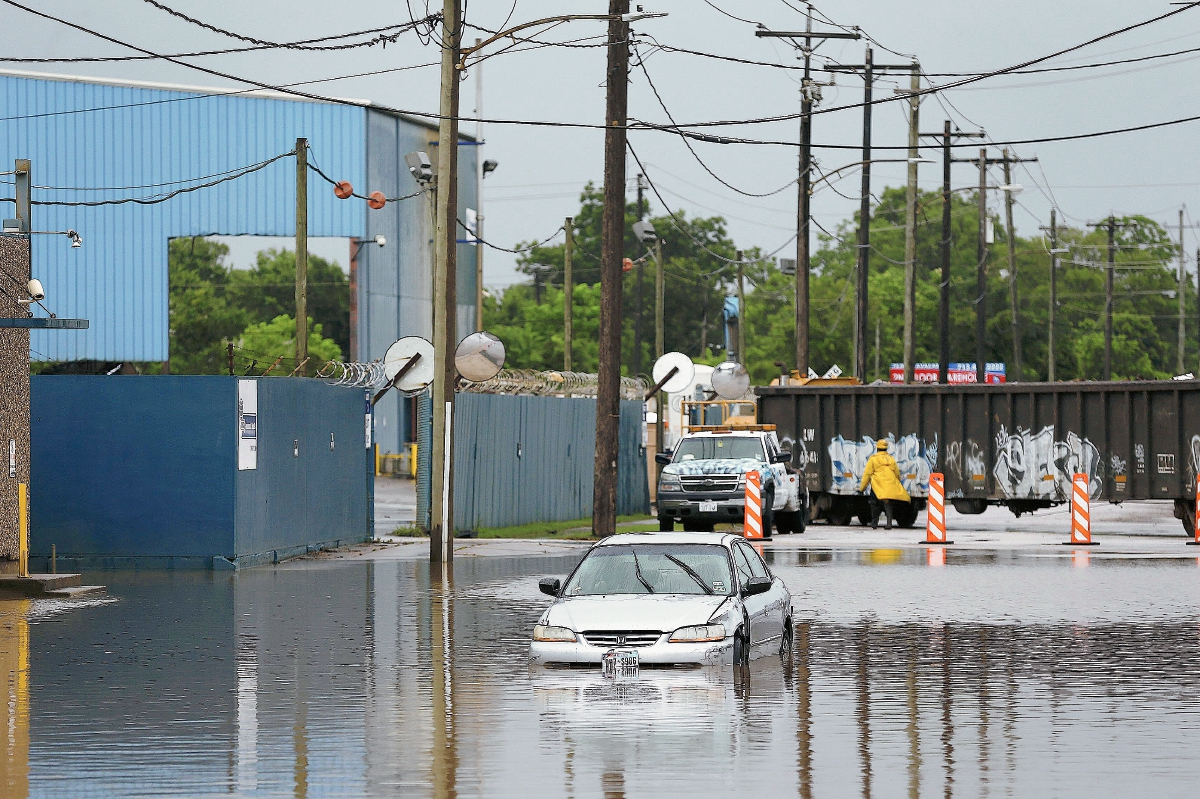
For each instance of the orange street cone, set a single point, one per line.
(1081, 514)
(935, 511)
(752, 516)
(1196, 518)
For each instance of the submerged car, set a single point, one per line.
(673, 598)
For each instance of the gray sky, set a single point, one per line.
(543, 169)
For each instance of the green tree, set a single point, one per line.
(266, 341)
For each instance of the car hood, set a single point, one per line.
(633, 611)
(716, 466)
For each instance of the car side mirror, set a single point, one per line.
(783, 456)
(756, 585)
(663, 457)
(550, 585)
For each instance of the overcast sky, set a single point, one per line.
(543, 169)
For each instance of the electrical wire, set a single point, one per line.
(519, 250)
(379, 37)
(313, 166)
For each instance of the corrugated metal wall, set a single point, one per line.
(530, 459)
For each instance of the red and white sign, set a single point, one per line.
(955, 373)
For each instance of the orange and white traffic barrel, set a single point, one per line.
(935, 511)
(752, 516)
(1081, 512)
(1196, 518)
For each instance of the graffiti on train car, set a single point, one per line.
(1033, 465)
(915, 458)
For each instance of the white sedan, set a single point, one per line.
(673, 598)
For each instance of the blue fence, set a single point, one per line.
(524, 459)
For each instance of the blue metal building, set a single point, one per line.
(91, 139)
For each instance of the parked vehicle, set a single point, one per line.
(677, 598)
(1016, 445)
(703, 480)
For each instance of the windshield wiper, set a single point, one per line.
(690, 572)
(638, 571)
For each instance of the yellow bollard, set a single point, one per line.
(23, 527)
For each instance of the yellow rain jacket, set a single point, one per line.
(883, 475)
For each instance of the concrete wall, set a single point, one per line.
(143, 471)
(14, 377)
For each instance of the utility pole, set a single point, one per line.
(302, 254)
(1012, 269)
(662, 400)
(612, 241)
(445, 298)
(1110, 225)
(478, 192)
(981, 253)
(1051, 356)
(741, 339)
(910, 224)
(1182, 288)
(637, 319)
(947, 233)
(568, 290)
(810, 94)
(864, 227)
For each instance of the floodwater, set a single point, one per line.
(1047, 673)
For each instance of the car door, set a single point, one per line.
(773, 610)
(756, 606)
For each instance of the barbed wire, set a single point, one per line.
(551, 384)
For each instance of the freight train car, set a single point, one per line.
(1015, 445)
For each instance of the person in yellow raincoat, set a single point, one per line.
(883, 476)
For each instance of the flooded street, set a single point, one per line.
(1037, 671)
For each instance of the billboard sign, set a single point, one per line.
(955, 373)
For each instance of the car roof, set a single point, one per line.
(721, 539)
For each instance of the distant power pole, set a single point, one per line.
(568, 291)
(1009, 191)
(910, 223)
(809, 96)
(741, 338)
(1111, 226)
(301, 255)
(1182, 288)
(637, 316)
(981, 275)
(1051, 356)
(864, 228)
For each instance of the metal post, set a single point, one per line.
(478, 192)
(910, 225)
(864, 228)
(1182, 287)
(981, 275)
(612, 242)
(302, 252)
(741, 282)
(1012, 269)
(944, 293)
(23, 180)
(445, 299)
(568, 290)
(1051, 356)
(1108, 298)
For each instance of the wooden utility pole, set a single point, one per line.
(612, 242)
(741, 339)
(1181, 293)
(302, 254)
(1051, 355)
(910, 223)
(864, 228)
(1012, 269)
(1110, 225)
(445, 296)
(660, 300)
(641, 267)
(479, 175)
(810, 94)
(568, 290)
(981, 253)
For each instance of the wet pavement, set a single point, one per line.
(1009, 667)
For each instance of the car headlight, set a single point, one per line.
(703, 632)
(548, 632)
(669, 482)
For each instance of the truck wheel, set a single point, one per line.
(801, 520)
(785, 522)
(839, 517)
(666, 524)
(906, 515)
(1185, 512)
(768, 514)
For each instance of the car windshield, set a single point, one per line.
(719, 447)
(652, 569)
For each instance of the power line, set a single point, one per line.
(313, 166)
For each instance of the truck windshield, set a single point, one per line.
(653, 569)
(719, 447)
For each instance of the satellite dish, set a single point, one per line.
(731, 380)
(681, 379)
(420, 374)
(479, 357)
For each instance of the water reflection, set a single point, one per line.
(389, 679)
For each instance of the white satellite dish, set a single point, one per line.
(681, 379)
(420, 374)
(731, 380)
(479, 357)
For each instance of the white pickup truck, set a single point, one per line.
(703, 481)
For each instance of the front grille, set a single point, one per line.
(622, 637)
(709, 482)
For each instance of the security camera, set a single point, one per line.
(420, 167)
(381, 240)
(76, 239)
(489, 166)
(36, 292)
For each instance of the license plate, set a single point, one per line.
(620, 663)
(708, 507)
